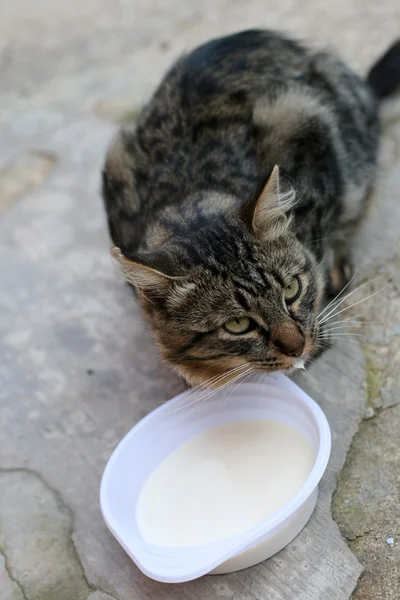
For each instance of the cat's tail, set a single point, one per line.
(384, 76)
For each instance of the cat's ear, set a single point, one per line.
(142, 276)
(268, 214)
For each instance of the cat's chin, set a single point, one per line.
(210, 375)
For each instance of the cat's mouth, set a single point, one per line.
(285, 365)
(215, 372)
(289, 364)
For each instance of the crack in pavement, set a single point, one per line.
(70, 533)
(11, 576)
(358, 583)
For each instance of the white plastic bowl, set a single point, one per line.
(159, 434)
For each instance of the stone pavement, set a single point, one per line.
(77, 365)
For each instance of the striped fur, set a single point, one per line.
(197, 230)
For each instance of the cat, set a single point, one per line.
(232, 202)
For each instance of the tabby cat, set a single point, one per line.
(232, 202)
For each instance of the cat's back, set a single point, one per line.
(223, 116)
(221, 80)
(238, 68)
(197, 131)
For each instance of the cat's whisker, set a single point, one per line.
(337, 296)
(222, 400)
(321, 262)
(340, 301)
(346, 340)
(328, 332)
(207, 382)
(326, 239)
(207, 396)
(344, 328)
(230, 381)
(343, 334)
(331, 341)
(349, 319)
(359, 301)
(208, 389)
(261, 377)
(227, 395)
(335, 313)
(324, 344)
(209, 392)
(352, 322)
(213, 380)
(210, 381)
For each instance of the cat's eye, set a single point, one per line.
(292, 291)
(239, 326)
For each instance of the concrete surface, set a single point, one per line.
(78, 367)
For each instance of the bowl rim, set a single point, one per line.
(258, 533)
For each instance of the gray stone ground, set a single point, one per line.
(77, 365)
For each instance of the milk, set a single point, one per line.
(223, 482)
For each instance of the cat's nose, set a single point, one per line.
(288, 339)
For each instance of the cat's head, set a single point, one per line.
(241, 293)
